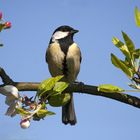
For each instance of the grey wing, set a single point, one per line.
(73, 62)
(54, 58)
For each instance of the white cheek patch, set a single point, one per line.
(59, 35)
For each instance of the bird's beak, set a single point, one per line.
(74, 31)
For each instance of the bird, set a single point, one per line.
(64, 58)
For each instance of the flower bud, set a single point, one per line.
(25, 123)
(0, 15)
(7, 25)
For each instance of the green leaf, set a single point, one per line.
(60, 86)
(47, 85)
(59, 99)
(43, 105)
(136, 53)
(115, 60)
(58, 78)
(127, 63)
(49, 113)
(1, 27)
(43, 113)
(109, 88)
(118, 63)
(137, 16)
(122, 47)
(129, 43)
(22, 112)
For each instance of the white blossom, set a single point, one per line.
(12, 97)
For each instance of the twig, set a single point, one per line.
(5, 78)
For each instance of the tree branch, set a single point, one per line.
(5, 78)
(75, 87)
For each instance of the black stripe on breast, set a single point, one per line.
(65, 43)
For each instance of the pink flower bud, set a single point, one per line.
(0, 15)
(25, 123)
(7, 25)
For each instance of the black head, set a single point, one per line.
(66, 28)
(63, 32)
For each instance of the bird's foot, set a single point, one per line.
(80, 84)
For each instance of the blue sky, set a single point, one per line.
(23, 58)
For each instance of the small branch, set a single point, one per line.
(137, 80)
(5, 78)
(75, 87)
(27, 86)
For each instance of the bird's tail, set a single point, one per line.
(68, 113)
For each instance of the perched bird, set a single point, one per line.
(64, 57)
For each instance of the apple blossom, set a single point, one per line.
(12, 90)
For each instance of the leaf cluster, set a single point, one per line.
(130, 64)
(51, 90)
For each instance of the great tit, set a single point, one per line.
(64, 57)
